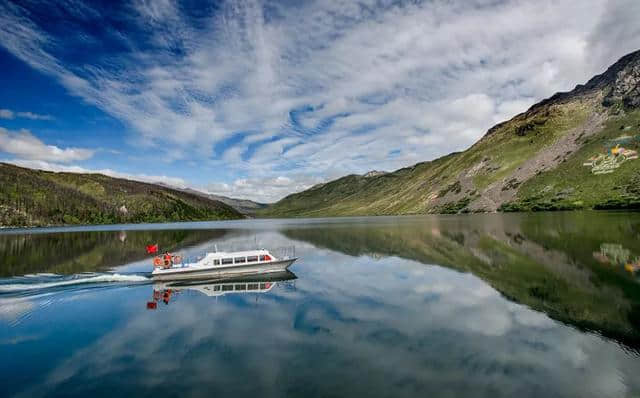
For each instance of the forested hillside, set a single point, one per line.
(41, 198)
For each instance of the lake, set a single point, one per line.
(471, 305)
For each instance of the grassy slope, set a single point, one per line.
(415, 189)
(572, 185)
(402, 191)
(32, 198)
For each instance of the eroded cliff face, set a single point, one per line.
(611, 97)
(625, 86)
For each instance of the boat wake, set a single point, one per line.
(22, 296)
(39, 283)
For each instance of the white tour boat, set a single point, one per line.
(219, 264)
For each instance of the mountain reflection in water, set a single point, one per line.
(579, 268)
(88, 251)
(478, 305)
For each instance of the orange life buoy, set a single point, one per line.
(157, 261)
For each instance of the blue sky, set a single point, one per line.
(258, 99)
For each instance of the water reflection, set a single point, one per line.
(351, 327)
(164, 291)
(550, 262)
(411, 306)
(616, 255)
(88, 251)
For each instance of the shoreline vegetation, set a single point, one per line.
(36, 198)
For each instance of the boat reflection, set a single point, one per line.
(164, 291)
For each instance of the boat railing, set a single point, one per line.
(283, 253)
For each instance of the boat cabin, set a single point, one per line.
(246, 257)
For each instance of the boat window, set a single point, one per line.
(251, 259)
(262, 258)
(240, 260)
(226, 288)
(216, 262)
(252, 286)
(241, 287)
(227, 261)
(216, 288)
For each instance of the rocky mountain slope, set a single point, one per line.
(575, 150)
(40, 198)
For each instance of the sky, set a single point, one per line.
(258, 99)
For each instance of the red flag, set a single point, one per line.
(152, 249)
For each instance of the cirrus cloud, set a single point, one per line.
(261, 89)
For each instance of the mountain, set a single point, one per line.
(244, 206)
(40, 198)
(574, 150)
(374, 173)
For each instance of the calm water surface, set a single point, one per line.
(481, 305)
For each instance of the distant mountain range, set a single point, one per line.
(244, 206)
(41, 198)
(575, 150)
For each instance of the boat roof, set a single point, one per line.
(239, 253)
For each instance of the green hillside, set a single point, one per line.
(41, 198)
(535, 161)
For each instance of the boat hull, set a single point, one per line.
(223, 272)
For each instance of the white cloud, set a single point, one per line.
(416, 79)
(34, 116)
(23, 144)
(263, 189)
(9, 114)
(616, 33)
